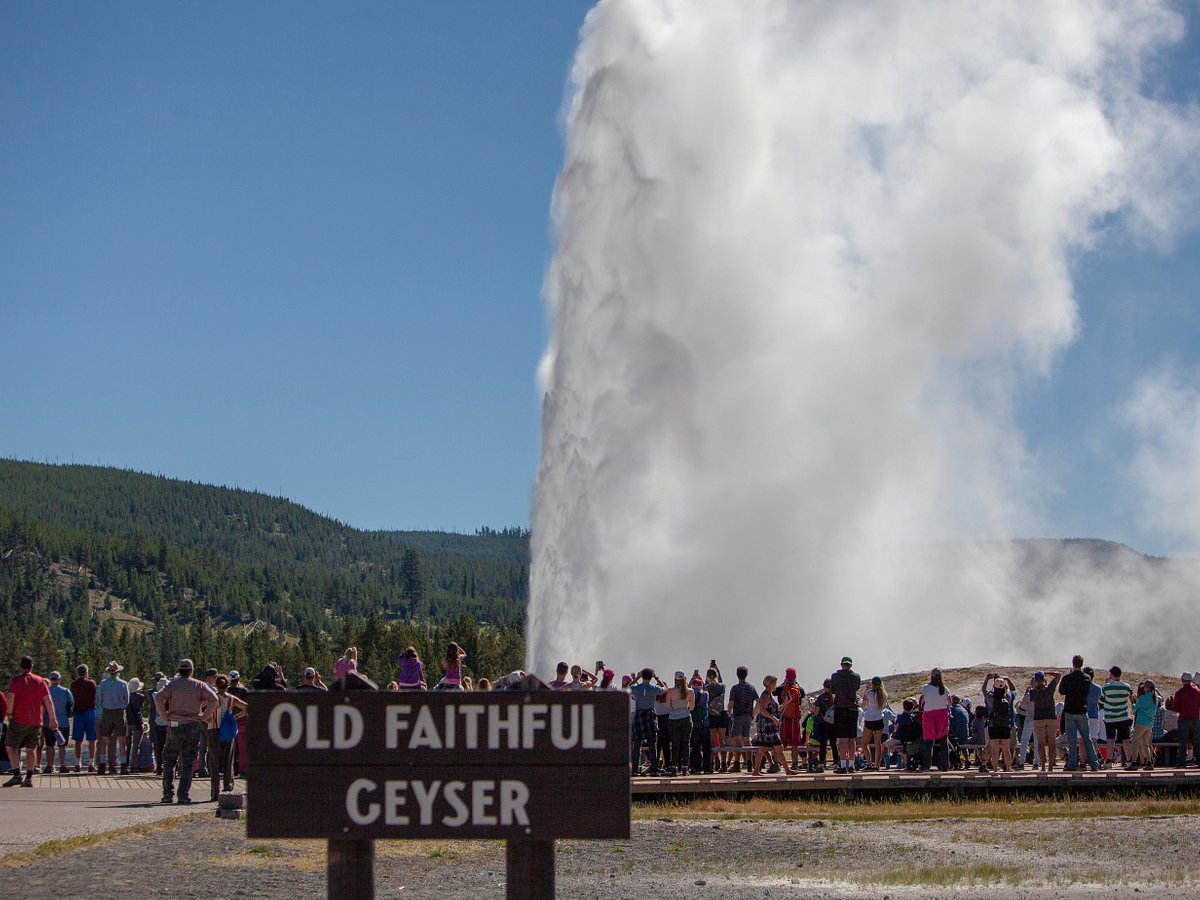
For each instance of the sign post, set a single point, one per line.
(355, 767)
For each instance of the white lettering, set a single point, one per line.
(425, 733)
(395, 724)
(532, 722)
(449, 742)
(513, 797)
(560, 740)
(511, 725)
(590, 741)
(481, 801)
(396, 794)
(295, 728)
(452, 793)
(471, 712)
(312, 740)
(425, 797)
(347, 727)
(353, 810)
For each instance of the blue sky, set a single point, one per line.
(299, 247)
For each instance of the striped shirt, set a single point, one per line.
(1114, 701)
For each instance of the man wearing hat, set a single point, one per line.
(312, 681)
(64, 708)
(184, 704)
(112, 697)
(1185, 703)
(844, 684)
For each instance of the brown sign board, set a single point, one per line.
(371, 765)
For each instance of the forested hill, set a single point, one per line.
(159, 550)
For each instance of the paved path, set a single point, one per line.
(62, 806)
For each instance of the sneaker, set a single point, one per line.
(125, 769)
(1094, 768)
(99, 769)
(91, 768)
(1132, 767)
(15, 780)
(49, 770)
(794, 770)
(167, 799)
(78, 768)
(28, 782)
(185, 800)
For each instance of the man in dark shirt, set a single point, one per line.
(742, 698)
(844, 684)
(83, 689)
(1074, 687)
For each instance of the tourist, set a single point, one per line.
(561, 681)
(1115, 699)
(606, 680)
(312, 681)
(241, 761)
(767, 741)
(679, 700)
(484, 685)
(268, 679)
(581, 678)
(452, 663)
(874, 701)
(221, 766)
(134, 723)
(1143, 727)
(412, 672)
(718, 718)
(791, 715)
(701, 756)
(960, 731)
(997, 689)
(935, 722)
(823, 730)
(158, 725)
(64, 707)
(347, 662)
(844, 685)
(1076, 687)
(1185, 703)
(112, 698)
(183, 704)
(1040, 697)
(645, 722)
(27, 698)
(83, 689)
(742, 700)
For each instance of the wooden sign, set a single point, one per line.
(360, 766)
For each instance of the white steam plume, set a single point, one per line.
(806, 252)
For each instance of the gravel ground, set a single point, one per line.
(202, 857)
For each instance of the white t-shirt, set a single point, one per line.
(933, 699)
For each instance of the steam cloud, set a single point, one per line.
(806, 254)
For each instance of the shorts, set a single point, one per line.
(22, 736)
(85, 726)
(48, 736)
(720, 721)
(791, 732)
(1117, 731)
(112, 723)
(1096, 728)
(868, 725)
(740, 727)
(1000, 732)
(845, 723)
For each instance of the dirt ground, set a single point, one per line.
(668, 856)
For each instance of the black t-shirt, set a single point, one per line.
(1074, 687)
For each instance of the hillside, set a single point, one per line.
(87, 552)
(968, 681)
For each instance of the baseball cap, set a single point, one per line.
(186, 663)
(847, 661)
(233, 675)
(697, 681)
(1039, 676)
(679, 673)
(158, 676)
(789, 673)
(609, 674)
(626, 681)
(1186, 676)
(211, 673)
(310, 672)
(55, 676)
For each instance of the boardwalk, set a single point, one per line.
(962, 783)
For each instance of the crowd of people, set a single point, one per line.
(183, 727)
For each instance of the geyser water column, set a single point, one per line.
(805, 252)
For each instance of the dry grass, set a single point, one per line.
(309, 855)
(86, 841)
(946, 876)
(881, 810)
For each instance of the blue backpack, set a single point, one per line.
(228, 726)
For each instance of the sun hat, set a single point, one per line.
(135, 685)
(114, 667)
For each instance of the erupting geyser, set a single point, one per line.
(805, 253)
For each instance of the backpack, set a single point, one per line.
(790, 701)
(714, 707)
(228, 726)
(1002, 710)
(911, 732)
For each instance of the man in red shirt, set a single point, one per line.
(28, 696)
